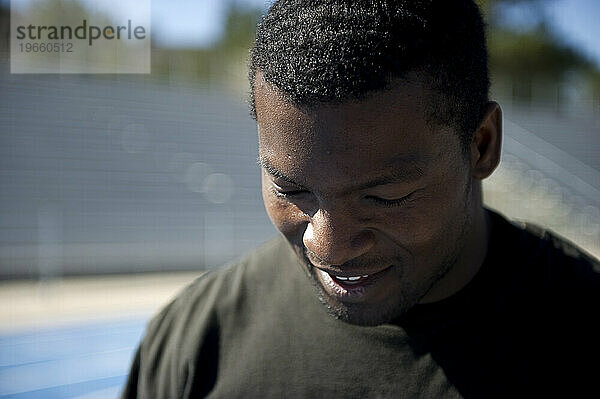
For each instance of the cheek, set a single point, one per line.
(286, 217)
(434, 222)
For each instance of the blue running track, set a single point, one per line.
(83, 361)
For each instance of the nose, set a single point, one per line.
(336, 238)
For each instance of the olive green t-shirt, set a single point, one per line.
(525, 326)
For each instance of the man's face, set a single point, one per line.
(375, 200)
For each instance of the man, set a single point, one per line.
(390, 278)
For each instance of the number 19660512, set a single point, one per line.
(46, 47)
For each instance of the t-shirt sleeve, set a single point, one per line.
(177, 356)
(130, 389)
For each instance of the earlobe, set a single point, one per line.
(487, 143)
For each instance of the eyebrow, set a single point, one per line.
(273, 171)
(405, 168)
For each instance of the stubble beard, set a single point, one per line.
(408, 296)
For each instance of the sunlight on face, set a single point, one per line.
(374, 200)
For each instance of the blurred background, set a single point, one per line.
(117, 190)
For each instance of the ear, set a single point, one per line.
(487, 143)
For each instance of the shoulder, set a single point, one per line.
(542, 277)
(221, 288)
(554, 262)
(182, 340)
(553, 282)
(546, 296)
(544, 256)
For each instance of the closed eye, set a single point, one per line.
(287, 194)
(390, 202)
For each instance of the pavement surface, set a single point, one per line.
(76, 337)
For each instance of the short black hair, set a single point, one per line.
(333, 51)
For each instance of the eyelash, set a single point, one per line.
(391, 203)
(377, 200)
(287, 194)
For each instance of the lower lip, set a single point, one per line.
(351, 292)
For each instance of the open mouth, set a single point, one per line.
(350, 286)
(350, 280)
(354, 288)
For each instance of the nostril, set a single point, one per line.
(314, 259)
(337, 236)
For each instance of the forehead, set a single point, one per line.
(351, 138)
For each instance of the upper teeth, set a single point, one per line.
(351, 278)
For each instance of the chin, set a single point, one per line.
(364, 314)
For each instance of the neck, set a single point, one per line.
(470, 258)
